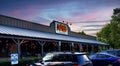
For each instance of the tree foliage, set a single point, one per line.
(82, 32)
(111, 32)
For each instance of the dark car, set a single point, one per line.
(104, 59)
(65, 59)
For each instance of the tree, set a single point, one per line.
(110, 34)
(115, 27)
(104, 34)
(82, 33)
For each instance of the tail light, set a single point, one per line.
(76, 65)
(118, 60)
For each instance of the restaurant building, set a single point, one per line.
(30, 39)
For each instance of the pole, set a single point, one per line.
(18, 42)
(59, 43)
(42, 43)
(72, 46)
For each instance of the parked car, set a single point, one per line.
(65, 59)
(104, 59)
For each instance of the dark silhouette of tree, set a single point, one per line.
(111, 32)
(82, 32)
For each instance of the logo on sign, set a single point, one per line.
(61, 28)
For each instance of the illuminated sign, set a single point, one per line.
(61, 28)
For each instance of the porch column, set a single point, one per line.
(87, 48)
(18, 42)
(72, 49)
(59, 43)
(42, 43)
(100, 48)
(92, 48)
(80, 47)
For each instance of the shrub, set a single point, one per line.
(22, 62)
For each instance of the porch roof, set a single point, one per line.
(38, 34)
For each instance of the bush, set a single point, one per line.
(22, 62)
(5, 63)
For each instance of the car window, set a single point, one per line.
(79, 58)
(102, 56)
(74, 58)
(62, 57)
(107, 56)
(92, 56)
(82, 59)
(99, 56)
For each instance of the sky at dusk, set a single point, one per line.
(85, 15)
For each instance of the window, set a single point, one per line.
(102, 56)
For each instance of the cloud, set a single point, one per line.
(94, 25)
(82, 14)
(91, 28)
(40, 20)
(93, 33)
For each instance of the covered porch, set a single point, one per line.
(30, 43)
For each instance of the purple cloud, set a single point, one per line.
(44, 11)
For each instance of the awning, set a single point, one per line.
(38, 34)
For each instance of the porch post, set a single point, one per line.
(18, 42)
(72, 49)
(87, 48)
(42, 43)
(92, 48)
(59, 43)
(80, 47)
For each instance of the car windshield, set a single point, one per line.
(57, 57)
(48, 57)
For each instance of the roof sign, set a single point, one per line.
(61, 28)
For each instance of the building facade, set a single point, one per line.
(31, 39)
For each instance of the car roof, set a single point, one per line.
(105, 54)
(66, 53)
